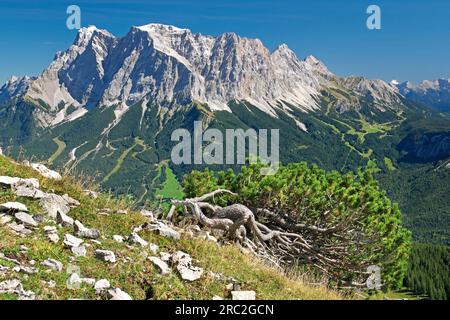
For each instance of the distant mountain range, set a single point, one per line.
(435, 93)
(107, 107)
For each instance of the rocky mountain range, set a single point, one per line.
(432, 93)
(107, 107)
(169, 65)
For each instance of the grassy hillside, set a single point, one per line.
(132, 272)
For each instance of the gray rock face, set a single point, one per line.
(44, 171)
(53, 204)
(183, 263)
(426, 146)
(134, 238)
(27, 192)
(12, 182)
(72, 241)
(19, 229)
(211, 70)
(64, 219)
(164, 65)
(163, 230)
(83, 232)
(118, 294)
(26, 219)
(52, 264)
(384, 96)
(105, 255)
(14, 88)
(434, 93)
(163, 267)
(13, 207)
(101, 285)
(14, 286)
(79, 251)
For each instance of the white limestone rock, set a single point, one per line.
(83, 232)
(13, 207)
(105, 255)
(79, 251)
(64, 220)
(118, 238)
(134, 238)
(118, 294)
(26, 219)
(183, 263)
(53, 203)
(52, 264)
(44, 171)
(13, 182)
(27, 192)
(163, 230)
(101, 286)
(163, 267)
(72, 241)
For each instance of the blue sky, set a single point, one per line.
(413, 43)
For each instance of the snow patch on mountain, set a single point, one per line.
(433, 93)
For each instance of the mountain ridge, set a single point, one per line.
(168, 64)
(435, 93)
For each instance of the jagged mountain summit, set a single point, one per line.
(166, 65)
(434, 93)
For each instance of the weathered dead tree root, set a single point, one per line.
(279, 239)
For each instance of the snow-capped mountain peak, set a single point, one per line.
(435, 93)
(156, 27)
(164, 64)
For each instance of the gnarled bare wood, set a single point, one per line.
(278, 238)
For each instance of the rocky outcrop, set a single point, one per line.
(105, 255)
(43, 170)
(86, 243)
